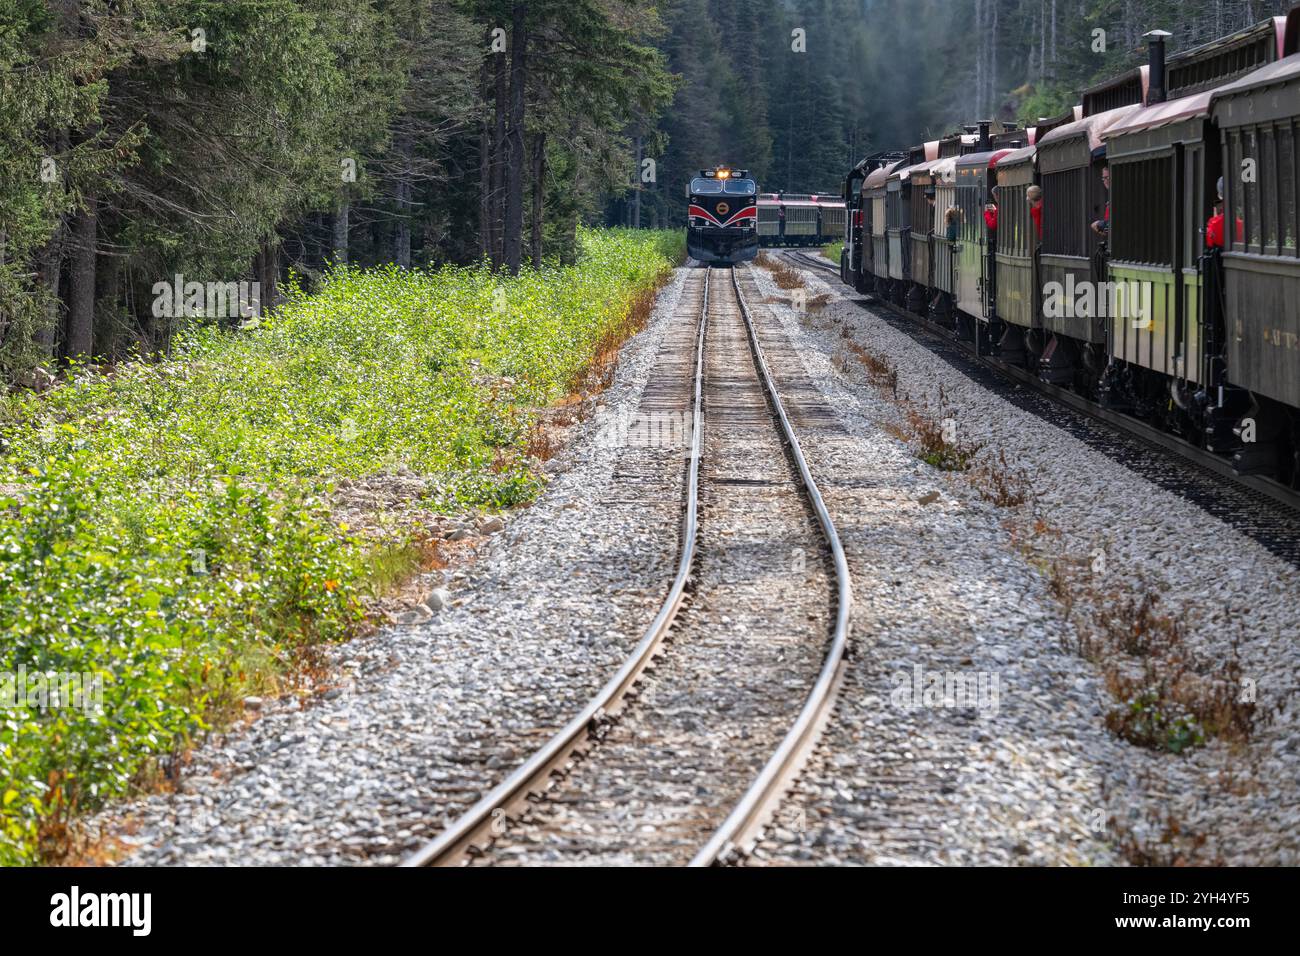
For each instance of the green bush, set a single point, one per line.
(164, 527)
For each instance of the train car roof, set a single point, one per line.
(989, 159)
(904, 172)
(1274, 25)
(1093, 126)
(1017, 156)
(1161, 114)
(943, 169)
(1094, 95)
(1278, 72)
(880, 176)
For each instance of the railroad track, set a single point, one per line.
(757, 648)
(1260, 508)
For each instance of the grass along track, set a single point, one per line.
(169, 527)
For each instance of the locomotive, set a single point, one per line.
(1139, 250)
(722, 221)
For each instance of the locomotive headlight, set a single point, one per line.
(723, 173)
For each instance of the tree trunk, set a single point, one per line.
(266, 266)
(108, 276)
(993, 65)
(485, 169)
(499, 98)
(539, 197)
(1053, 39)
(341, 216)
(514, 237)
(49, 271)
(403, 197)
(80, 340)
(636, 199)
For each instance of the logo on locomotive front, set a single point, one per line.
(723, 208)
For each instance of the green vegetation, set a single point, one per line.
(166, 527)
(226, 140)
(832, 251)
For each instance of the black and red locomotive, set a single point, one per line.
(722, 222)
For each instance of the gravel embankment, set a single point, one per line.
(945, 587)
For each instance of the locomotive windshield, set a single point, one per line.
(739, 187)
(706, 187)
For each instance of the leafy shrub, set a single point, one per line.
(165, 527)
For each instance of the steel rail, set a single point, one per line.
(478, 821)
(742, 827)
(1211, 462)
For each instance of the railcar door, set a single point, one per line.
(969, 261)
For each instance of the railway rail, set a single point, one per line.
(1260, 508)
(732, 828)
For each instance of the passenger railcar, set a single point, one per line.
(800, 219)
(1201, 338)
(722, 223)
(856, 256)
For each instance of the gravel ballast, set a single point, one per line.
(961, 584)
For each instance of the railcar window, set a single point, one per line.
(706, 187)
(920, 208)
(1234, 206)
(1014, 201)
(1268, 179)
(1286, 180)
(1142, 211)
(972, 210)
(1065, 218)
(1250, 150)
(739, 187)
(1194, 233)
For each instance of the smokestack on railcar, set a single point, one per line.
(984, 136)
(1157, 92)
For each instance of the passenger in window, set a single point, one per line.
(1102, 226)
(991, 213)
(1035, 196)
(1214, 227)
(952, 223)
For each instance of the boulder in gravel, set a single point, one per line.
(492, 525)
(438, 599)
(929, 498)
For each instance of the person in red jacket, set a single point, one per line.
(1214, 227)
(1102, 226)
(1035, 196)
(991, 215)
